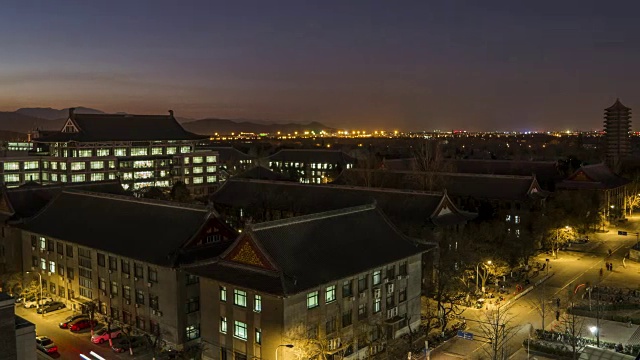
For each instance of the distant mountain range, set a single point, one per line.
(25, 119)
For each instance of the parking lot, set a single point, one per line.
(71, 344)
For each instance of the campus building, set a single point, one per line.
(308, 281)
(310, 166)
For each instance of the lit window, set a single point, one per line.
(186, 160)
(120, 152)
(517, 232)
(8, 178)
(211, 159)
(43, 264)
(63, 166)
(97, 164)
(171, 150)
(54, 165)
(156, 151)
(240, 330)
(312, 300)
(223, 293)
(54, 177)
(97, 176)
(197, 159)
(211, 169)
(11, 166)
(240, 298)
(330, 294)
(77, 178)
(77, 165)
(508, 218)
(52, 266)
(31, 176)
(127, 176)
(516, 219)
(186, 181)
(223, 324)
(103, 152)
(139, 151)
(257, 303)
(258, 336)
(193, 332)
(185, 149)
(377, 277)
(30, 165)
(197, 170)
(212, 179)
(112, 164)
(198, 180)
(84, 153)
(377, 306)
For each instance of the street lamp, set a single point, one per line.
(40, 276)
(484, 278)
(285, 345)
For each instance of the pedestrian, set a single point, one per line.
(558, 302)
(611, 267)
(601, 272)
(558, 315)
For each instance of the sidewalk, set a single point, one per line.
(610, 331)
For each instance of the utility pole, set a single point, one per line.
(598, 319)
(543, 301)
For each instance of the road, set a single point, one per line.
(70, 345)
(570, 269)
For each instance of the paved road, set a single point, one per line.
(70, 345)
(570, 269)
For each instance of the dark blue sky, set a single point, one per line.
(413, 65)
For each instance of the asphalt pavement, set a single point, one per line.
(70, 344)
(578, 265)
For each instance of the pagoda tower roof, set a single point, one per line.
(617, 106)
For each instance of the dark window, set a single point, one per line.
(34, 241)
(362, 283)
(140, 323)
(102, 283)
(154, 327)
(330, 326)
(70, 251)
(52, 288)
(60, 247)
(34, 261)
(402, 295)
(191, 279)
(126, 317)
(125, 267)
(84, 262)
(347, 288)
(312, 332)
(390, 300)
(153, 302)
(61, 291)
(50, 245)
(403, 269)
(391, 272)
(60, 269)
(126, 292)
(347, 317)
(113, 263)
(153, 275)
(139, 271)
(86, 253)
(193, 304)
(362, 311)
(101, 260)
(70, 273)
(114, 313)
(139, 297)
(114, 288)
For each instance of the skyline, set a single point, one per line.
(505, 66)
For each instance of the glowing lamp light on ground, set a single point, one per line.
(593, 329)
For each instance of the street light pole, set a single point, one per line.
(284, 345)
(40, 278)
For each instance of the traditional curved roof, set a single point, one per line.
(617, 106)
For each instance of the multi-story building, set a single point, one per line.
(122, 254)
(143, 150)
(310, 166)
(617, 126)
(17, 335)
(231, 160)
(340, 283)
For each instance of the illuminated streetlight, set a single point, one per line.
(283, 345)
(484, 278)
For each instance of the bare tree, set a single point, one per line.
(633, 194)
(573, 326)
(497, 326)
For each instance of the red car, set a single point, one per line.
(82, 324)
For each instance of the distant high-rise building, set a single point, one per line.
(617, 125)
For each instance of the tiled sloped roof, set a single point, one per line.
(262, 173)
(404, 207)
(478, 186)
(547, 172)
(313, 156)
(228, 153)
(596, 176)
(120, 127)
(318, 249)
(617, 106)
(28, 199)
(146, 230)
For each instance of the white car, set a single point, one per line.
(101, 335)
(31, 303)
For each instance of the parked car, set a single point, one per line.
(29, 304)
(70, 319)
(52, 306)
(102, 335)
(122, 345)
(45, 344)
(80, 324)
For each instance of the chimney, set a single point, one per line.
(171, 113)
(71, 110)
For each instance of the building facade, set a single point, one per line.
(617, 128)
(310, 166)
(141, 150)
(17, 335)
(322, 300)
(128, 267)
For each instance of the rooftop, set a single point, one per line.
(313, 156)
(595, 176)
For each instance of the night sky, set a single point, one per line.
(409, 65)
